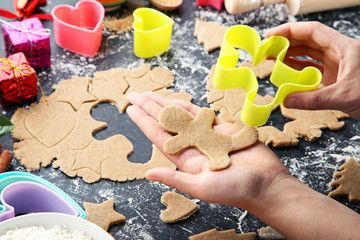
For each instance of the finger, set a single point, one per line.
(319, 99)
(148, 125)
(147, 105)
(160, 100)
(184, 182)
(302, 50)
(192, 108)
(305, 31)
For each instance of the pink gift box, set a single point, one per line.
(30, 37)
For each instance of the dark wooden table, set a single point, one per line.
(139, 200)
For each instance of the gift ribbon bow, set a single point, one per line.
(24, 9)
(18, 70)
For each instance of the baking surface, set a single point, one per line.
(313, 163)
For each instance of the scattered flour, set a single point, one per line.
(40, 233)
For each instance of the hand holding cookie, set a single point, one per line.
(247, 174)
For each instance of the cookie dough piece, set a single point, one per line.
(308, 124)
(178, 207)
(268, 233)
(211, 34)
(230, 234)
(103, 214)
(262, 70)
(272, 136)
(73, 91)
(348, 181)
(199, 133)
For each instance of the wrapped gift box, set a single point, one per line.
(30, 37)
(18, 80)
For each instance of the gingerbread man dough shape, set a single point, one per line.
(199, 133)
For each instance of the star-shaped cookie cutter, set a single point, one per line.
(288, 80)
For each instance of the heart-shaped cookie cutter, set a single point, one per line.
(152, 32)
(288, 80)
(214, 3)
(14, 201)
(79, 29)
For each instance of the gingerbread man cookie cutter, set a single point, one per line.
(288, 80)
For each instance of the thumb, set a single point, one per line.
(319, 99)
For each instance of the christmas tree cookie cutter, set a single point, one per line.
(288, 80)
(152, 32)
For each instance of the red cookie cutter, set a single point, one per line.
(214, 3)
(25, 9)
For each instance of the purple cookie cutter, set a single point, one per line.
(29, 197)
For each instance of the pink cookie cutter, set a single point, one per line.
(214, 3)
(79, 29)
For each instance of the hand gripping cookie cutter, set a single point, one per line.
(152, 32)
(287, 79)
(214, 3)
(9, 178)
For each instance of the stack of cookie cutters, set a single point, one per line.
(79, 29)
(288, 80)
(22, 193)
(152, 32)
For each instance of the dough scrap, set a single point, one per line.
(72, 147)
(272, 136)
(268, 233)
(103, 214)
(230, 234)
(347, 183)
(199, 133)
(262, 70)
(178, 207)
(308, 124)
(211, 34)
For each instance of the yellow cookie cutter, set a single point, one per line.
(152, 32)
(287, 79)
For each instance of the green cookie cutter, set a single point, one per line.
(152, 32)
(288, 80)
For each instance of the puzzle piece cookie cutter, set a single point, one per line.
(288, 80)
(152, 32)
(14, 195)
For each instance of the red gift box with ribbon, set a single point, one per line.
(18, 80)
(30, 37)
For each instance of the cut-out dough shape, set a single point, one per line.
(211, 34)
(40, 140)
(74, 91)
(262, 70)
(272, 136)
(230, 234)
(308, 124)
(103, 214)
(268, 233)
(347, 183)
(48, 132)
(199, 133)
(178, 207)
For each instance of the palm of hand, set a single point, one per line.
(251, 171)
